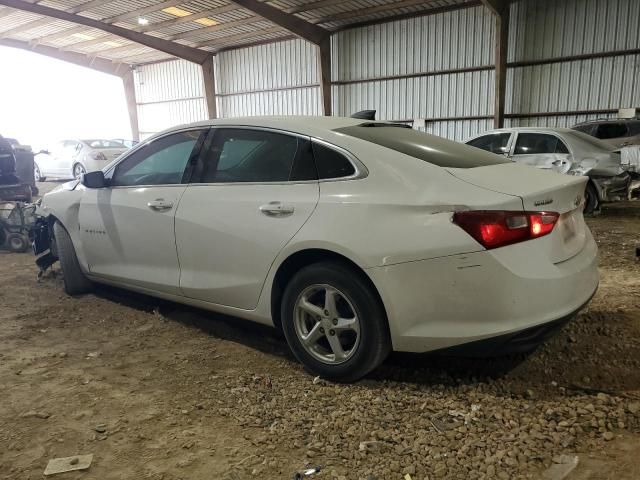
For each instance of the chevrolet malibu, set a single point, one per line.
(355, 238)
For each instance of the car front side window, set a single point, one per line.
(494, 143)
(161, 162)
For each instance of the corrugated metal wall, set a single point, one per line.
(426, 49)
(273, 79)
(169, 94)
(546, 29)
(409, 69)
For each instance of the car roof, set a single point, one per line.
(608, 120)
(309, 125)
(527, 129)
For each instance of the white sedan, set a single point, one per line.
(73, 158)
(354, 237)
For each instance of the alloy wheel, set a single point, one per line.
(78, 171)
(326, 323)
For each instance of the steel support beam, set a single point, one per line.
(128, 83)
(209, 83)
(500, 10)
(295, 25)
(324, 62)
(177, 50)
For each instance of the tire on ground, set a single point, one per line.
(75, 282)
(592, 202)
(375, 342)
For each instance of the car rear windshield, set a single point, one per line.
(429, 148)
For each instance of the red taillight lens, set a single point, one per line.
(496, 228)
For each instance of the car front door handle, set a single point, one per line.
(160, 205)
(276, 209)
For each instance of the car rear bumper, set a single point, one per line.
(507, 293)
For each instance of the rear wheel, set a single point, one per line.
(592, 202)
(78, 170)
(75, 282)
(334, 323)
(37, 175)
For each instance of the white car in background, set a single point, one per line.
(72, 158)
(354, 237)
(563, 150)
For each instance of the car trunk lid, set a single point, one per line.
(539, 191)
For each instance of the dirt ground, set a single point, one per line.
(161, 391)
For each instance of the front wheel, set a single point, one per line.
(334, 323)
(75, 282)
(591, 200)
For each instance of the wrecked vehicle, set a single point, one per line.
(563, 150)
(615, 132)
(354, 237)
(12, 188)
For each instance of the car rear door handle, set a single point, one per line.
(159, 205)
(276, 209)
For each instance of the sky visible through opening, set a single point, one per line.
(44, 100)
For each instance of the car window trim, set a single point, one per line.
(359, 168)
(194, 156)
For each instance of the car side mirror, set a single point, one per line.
(44, 152)
(94, 180)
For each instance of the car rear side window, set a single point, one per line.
(494, 143)
(331, 163)
(536, 143)
(240, 155)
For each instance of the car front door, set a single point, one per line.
(542, 150)
(253, 190)
(127, 229)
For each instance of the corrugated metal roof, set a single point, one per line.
(126, 12)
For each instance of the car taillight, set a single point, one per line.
(496, 228)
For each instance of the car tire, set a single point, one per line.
(591, 200)
(75, 282)
(37, 174)
(17, 243)
(354, 318)
(78, 170)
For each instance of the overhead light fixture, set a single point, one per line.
(208, 22)
(178, 12)
(143, 21)
(112, 44)
(82, 36)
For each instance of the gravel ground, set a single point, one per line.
(157, 390)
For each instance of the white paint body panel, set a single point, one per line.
(439, 286)
(227, 245)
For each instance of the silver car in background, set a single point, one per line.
(564, 151)
(73, 158)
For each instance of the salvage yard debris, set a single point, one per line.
(68, 464)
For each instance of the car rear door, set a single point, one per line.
(495, 142)
(252, 191)
(542, 150)
(127, 229)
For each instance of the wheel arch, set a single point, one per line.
(302, 258)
